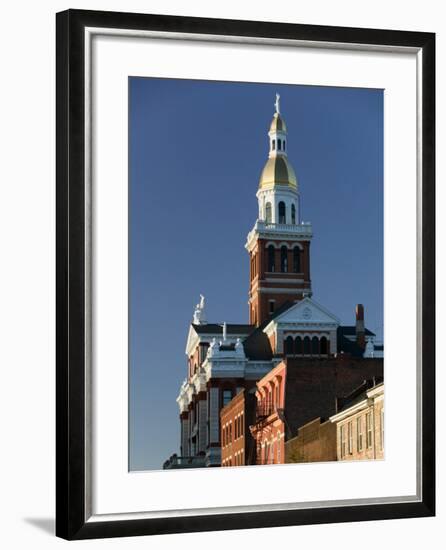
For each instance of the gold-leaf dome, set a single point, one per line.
(278, 171)
(277, 124)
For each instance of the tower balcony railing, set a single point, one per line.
(303, 227)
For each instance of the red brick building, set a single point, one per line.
(297, 391)
(237, 443)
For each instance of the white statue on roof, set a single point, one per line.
(277, 104)
(199, 313)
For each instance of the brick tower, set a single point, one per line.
(279, 243)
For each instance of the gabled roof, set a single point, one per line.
(305, 311)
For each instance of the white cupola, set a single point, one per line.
(278, 192)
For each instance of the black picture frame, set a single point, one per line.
(71, 517)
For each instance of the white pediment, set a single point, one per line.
(307, 312)
(192, 341)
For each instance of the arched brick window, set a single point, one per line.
(324, 345)
(307, 345)
(284, 259)
(315, 345)
(289, 346)
(298, 346)
(296, 260)
(271, 258)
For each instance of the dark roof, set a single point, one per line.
(257, 346)
(350, 330)
(216, 328)
(358, 394)
(348, 346)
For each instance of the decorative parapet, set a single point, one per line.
(299, 231)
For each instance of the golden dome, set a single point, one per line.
(278, 171)
(277, 124)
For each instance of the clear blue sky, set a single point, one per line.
(196, 151)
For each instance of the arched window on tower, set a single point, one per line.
(284, 145)
(268, 212)
(279, 144)
(289, 346)
(282, 212)
(293, 213)
(315, 346)
(307, 345)
(274, 144)
(324, 346)
(284, 259)
(271, 258)
(298, 346)
(296, 260)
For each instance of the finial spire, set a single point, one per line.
(277, 104)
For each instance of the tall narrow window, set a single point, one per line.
(315, 345)
(289, 346)
(282, 212)
(296, 259)
(284, 259)
(268, 213)
(359, 434)
(271, 306)
(368, 423)
(307, 345)
(343, 441)
(279, 144)
(324, 346)
(274, 144)
(293, 213)
(271, 258)
(350, 438)
(284, 145)
(298, 346)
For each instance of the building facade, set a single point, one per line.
(285, 324)
(315, 442)
(360, 423)
(269, 428)
(237, 443)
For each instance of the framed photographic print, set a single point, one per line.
(245, 274)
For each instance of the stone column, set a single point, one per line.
(202, 421)
(214, 421)
(184, 419)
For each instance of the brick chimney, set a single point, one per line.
(360, 329)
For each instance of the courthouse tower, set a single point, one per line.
(279, 243)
